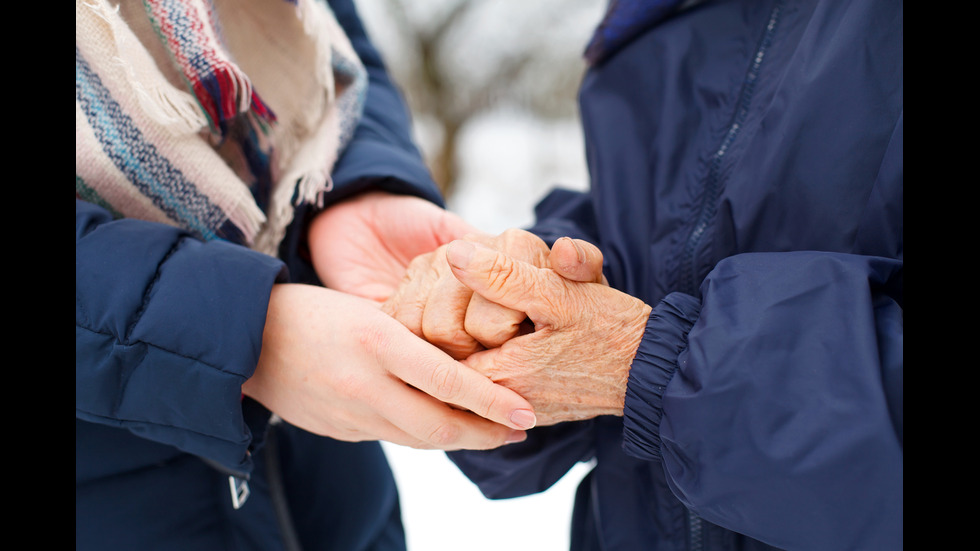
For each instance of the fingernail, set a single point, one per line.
(515, 437)
(523, 418)
(459, 253)
(579, 251)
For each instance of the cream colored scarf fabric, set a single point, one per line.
(217, 116)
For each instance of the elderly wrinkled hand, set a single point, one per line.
(575, 363)
(433, 304)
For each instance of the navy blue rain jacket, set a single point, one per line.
(746, 169)
(167, 328)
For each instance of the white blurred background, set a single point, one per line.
(492, 87)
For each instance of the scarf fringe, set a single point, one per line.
(320, 25)
(192, 33)
(312, 158)
(198, 179)
(170, 107)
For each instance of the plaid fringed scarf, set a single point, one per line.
(170, 125)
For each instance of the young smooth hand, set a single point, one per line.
(336, 365)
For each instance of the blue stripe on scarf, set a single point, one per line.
(188, 43)
(143, 165)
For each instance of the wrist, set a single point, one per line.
(252, 387)
(634, 326)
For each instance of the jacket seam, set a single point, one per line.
(116, 421)
(157, 347)
(149, 288)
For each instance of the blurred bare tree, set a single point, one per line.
(457, 59)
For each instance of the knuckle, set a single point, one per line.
(445, 435)
(425, 265)
(525, 245)
(488, 403)
(416, 266)
(446, 383)
(372, 338)
(391, 306)
(375, 342)
(512, 235)
(490, 323)
(455, 341)
(493, 337)
(350, 386)
(500, 274)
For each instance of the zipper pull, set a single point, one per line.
(239, 491)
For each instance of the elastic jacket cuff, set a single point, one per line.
(653, 366)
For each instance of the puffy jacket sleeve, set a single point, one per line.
(166, 330)
(775, 401)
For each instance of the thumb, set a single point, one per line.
(499, 278)
(577, 260)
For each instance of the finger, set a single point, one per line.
(518, 244)
(503, 280)
(577, 260)
(421, 365)
(492, 324)
(407, 304)
(373, 427)
(492, 363)
(489, 323)
(406, 309)
(434, 425)
(444, 317)
(437, 426)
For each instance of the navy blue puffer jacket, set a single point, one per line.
(167, 328)
(746, 163)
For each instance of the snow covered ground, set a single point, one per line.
(443, 511)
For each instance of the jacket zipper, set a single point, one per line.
(690, 281)
(695, 531)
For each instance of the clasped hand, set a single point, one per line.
(514, 334)
(542, 323)
(334, 364)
